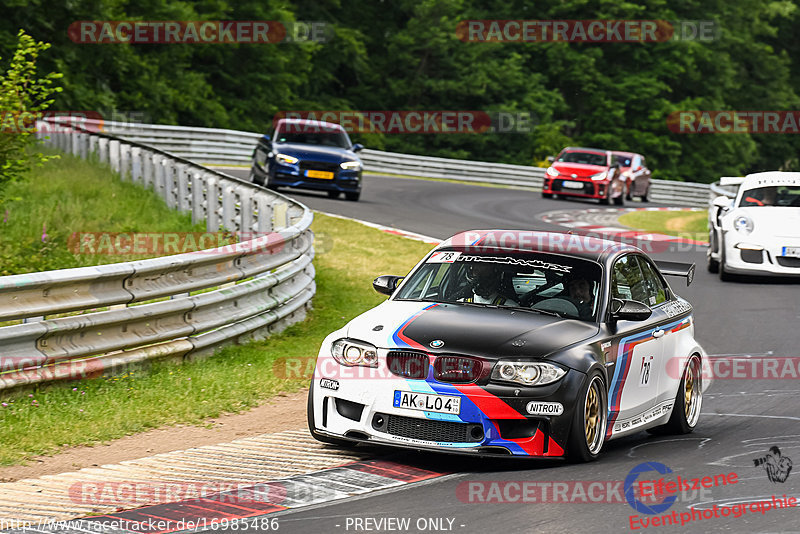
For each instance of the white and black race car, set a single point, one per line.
(758, 232)
(528, 344)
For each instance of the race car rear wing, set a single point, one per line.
(731, 180)
(675, 268)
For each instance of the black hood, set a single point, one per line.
(495, 332)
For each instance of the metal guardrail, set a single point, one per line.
(230, 147)
(250, 289)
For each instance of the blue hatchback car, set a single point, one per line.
(308, 154)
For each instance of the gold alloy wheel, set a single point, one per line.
(594, 416)
(692, 391)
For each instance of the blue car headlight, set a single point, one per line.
(286, 159)
(527, 373)
(351, 165)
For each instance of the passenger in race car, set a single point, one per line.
(485, 281)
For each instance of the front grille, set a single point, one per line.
(588, 187)
(788, 261)
(319, 166)
(456, 369)
(429, 430)
(408, 364)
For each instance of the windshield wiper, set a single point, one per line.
(543, 312)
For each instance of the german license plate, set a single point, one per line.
(427, 403)
(572, 185)
(325, 175)
(791, 251)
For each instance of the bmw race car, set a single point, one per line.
(758, 232)
(514, 343)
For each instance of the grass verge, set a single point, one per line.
(687, 224)
(70, 196)
(235, 379)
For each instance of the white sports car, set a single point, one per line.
(758, 232)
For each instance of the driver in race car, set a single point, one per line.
(485, 280)
(580, 293)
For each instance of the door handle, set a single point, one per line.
(658, 333)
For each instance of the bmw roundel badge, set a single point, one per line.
(437, 344)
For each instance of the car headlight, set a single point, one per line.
(527, 373)
(352, 353)
(283, 158)
(743, 224)
(600, 175)
(351, 165)
(551, 172)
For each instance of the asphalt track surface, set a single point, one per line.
(741, 417)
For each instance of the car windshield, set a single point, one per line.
(589, 158)
(550, 284)
(782, 195)
(333, 138)
(624, 161)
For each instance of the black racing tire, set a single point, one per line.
(712, 265)
(619, 201)
(604, 201)
(333, 194)
(588, 432)
(646, 193)
(688, 401)
(353, 197)
(724, 275)
(311, 426)
(547, 195)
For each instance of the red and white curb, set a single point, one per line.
(603, 222)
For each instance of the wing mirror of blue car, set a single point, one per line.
(357, 147)
(386, 284)
(630, 310)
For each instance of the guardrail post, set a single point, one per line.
(199, 187)
(102, 150)
(228, 206)
(147, 169)
(92, 145)
(124, 161)
(159, 176)
(113, 154)
(246, 210)
(136, 164)
(264, 207)
(182, 192)
(170, 185)
(212, 203)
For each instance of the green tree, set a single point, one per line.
(22, 96)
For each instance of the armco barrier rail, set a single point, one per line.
(230, 147)
(251, 288)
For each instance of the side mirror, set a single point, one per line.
(266, 138)
(357, 147)
(639, 168)
(630, 310)
(551, 159)
(722, 202)
(386, 284)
